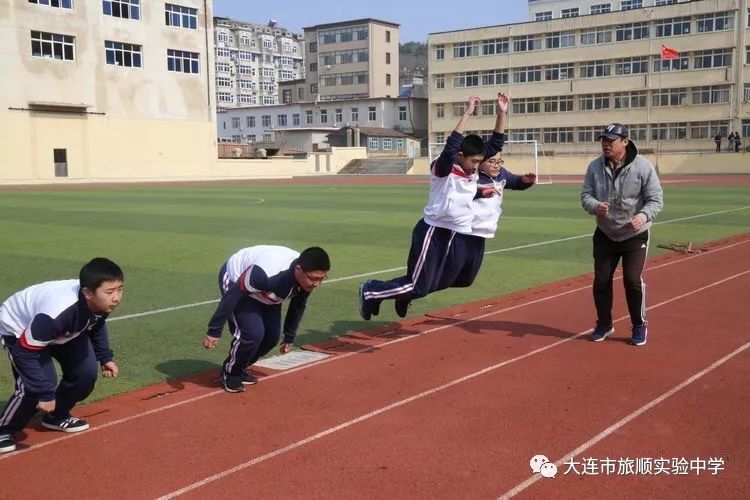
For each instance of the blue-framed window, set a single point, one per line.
(60, 4)
(126, 9)
(180, 17)
(123, 54)
(183, 61)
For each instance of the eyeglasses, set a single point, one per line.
(315, 280)
(495, 162)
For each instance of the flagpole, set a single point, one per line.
(649, 97)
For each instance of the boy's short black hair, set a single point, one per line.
(472, 145)
(314, 259)
(97, 271)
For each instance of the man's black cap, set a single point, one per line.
(614, 131)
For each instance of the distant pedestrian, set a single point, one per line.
(717, 140)
(730, 142)
(737, 142)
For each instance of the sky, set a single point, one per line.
(417, 18)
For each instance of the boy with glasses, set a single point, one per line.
(493, 180)
(449, 212)
(253, 283)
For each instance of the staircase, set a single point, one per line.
(378, 166)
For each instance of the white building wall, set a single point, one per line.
(110, 120)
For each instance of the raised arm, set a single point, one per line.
(471, 106)
(443, 164)
(497, 141)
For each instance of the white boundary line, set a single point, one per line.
(452, 383)
(352, 353)
(612, 428)
(401, 268)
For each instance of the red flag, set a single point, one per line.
(667, 53)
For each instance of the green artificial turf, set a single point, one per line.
(171, 241)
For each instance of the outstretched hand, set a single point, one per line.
(529, 178)
(503, 102)
(472, 103)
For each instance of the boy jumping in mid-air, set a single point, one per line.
(487, 212)
(449, 211)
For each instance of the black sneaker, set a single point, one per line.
(402, 307)
(7, 444)
(364, 310)
(64, 424)
(233, 383)
(249, 379)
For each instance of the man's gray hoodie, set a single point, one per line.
(634, 189)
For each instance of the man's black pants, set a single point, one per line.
(607, 254)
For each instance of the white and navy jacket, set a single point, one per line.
(264, 273)
(487, 211)
(49, 314)
(451, 189)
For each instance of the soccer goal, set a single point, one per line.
(524, 151)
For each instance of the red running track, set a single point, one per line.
(448, 406)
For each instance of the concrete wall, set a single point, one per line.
(172, 164)
(102, 147)
(700, 163)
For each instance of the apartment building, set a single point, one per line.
(251, 61)
(352, 60)
(407, 115)
(107, 89)
(571, 72)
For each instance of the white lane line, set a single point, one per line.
(394, 269)
(422, 395)
(351, 353)
(612, 428)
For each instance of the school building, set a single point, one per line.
(104, 90)
(303, 126)
(353, 59)
(580, 65)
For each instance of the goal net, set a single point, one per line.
(520, 156)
